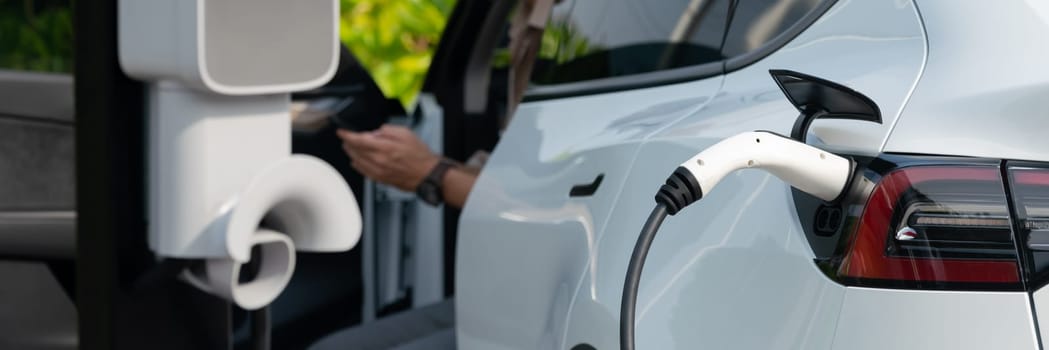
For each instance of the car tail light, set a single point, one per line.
(935, 227)
(1029, 186)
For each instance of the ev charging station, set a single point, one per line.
(185, 175)
(191, 156)
(219, 75)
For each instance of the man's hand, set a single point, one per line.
(391, 154)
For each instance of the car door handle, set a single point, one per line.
(586, 190)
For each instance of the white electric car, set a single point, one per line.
(942, 241)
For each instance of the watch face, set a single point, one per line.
(428, 193)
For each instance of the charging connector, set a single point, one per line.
(807, 168)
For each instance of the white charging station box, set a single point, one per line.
(222, 179)
(219, 75)
(231, 47)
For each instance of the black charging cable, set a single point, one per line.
(633, 275)
(680, 190)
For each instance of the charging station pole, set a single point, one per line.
(112, 249)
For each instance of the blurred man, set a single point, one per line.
(395, 156)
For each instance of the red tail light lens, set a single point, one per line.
(929, 226)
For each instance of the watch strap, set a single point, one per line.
(434, 182)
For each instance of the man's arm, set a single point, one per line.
(395, 156)
(456, 186)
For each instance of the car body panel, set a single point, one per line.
(523, 241)
(715, 269)
(881, 59)
(911, 319)
(959, 106)
(1040, 298)
(772, 287)
(722, 266)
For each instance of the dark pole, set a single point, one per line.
(125, 298)
(102, 126)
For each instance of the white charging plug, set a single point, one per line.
(807, 168)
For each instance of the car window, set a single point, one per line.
(595, 39)
(36, 35)
(757, 22)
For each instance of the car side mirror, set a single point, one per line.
(820, 98)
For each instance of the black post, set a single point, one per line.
(117, 307)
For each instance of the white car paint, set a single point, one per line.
(909, 319)
(537, 269)
(997, 81)
(526, 223)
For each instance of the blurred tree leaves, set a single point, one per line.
(561, 42)
(36, 35)
(395, 40)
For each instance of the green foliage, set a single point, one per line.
(36, 35)
(395, 40)
(561, 43)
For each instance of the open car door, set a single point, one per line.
(406, 258)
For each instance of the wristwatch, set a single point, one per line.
(429, 190)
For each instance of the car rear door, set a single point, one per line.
(612, 73)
